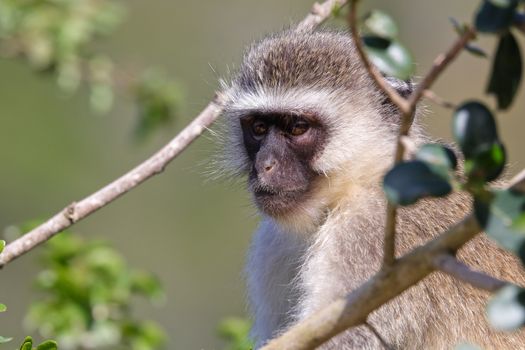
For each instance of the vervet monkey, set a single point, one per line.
(315, 135)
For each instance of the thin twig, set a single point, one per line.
(410, 145)
(440, 63)
(389, 245)
(518, 182)
(319, 13)
(450, 265)
(384, 286)
(432, 96)
(152, 166)
(402, 104)
(392, 94)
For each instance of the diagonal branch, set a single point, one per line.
(440, 63)
(152, 166)
(79, 210)
(406, 107)
(384, 286)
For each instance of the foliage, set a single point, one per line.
(46, 345)
(501, 213)
(158, 99)
(54, 34)
(28, 341)
(3, 308)
(235, 331)
(497, 17)
(380, 36)
(57, 36)
(87, 297)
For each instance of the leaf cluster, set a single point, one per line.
(87, 292)
(433, 171)
(235, 331)
(57, 37)
(380, 36)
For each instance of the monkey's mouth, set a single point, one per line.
(277, 202)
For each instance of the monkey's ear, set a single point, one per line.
(403, 87)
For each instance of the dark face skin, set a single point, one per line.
(281, 148)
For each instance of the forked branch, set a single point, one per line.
(407, 107)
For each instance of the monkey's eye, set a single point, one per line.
(299, 128)
(259, 128)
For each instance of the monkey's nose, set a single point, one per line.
(269, 165)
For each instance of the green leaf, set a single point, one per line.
(235, 331)
(470, 47)
(474, 128)
(408, 182)
(27, 344)
(495, 15)
(2, 245)
(5, 340)
(506, 310)
(394, 60)
(506, 72)
(439, 158)
(376, 42)
(487, 164)
(380, 24)
(47, 345)
(3, 308)
(476, 50)
(158, 100)
(102, 96)
(146, 284)
(501, 217)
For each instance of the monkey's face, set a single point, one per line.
(281, 148)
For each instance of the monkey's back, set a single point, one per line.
(438, 313)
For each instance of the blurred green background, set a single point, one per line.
(191, 231)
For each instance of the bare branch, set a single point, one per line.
(319, 13)
(387, 284)
(392, 94)
(440, 63)
(77, 211)
(389, 245)
(402, 104)
(410, 145)
(518, 182)
(152, 166)
(432, 96)
(450, 265)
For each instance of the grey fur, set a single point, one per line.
(332, 242)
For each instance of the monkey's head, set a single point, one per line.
(306, 122)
